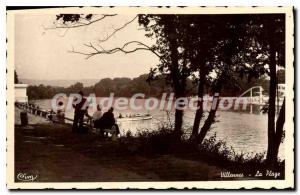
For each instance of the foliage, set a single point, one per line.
(126, 87)
(220, 149)
(163, 142)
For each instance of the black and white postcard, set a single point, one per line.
(150, 98)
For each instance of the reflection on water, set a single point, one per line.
(244, 130)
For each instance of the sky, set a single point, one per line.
(45, 54)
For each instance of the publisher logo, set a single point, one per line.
(26, 177)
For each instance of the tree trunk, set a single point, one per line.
(199, 111)
(178, 123)
(210, 119)
(271, 156)
(178, 85)
(279, 129)
(178, 113)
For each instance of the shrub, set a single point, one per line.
(163, 141)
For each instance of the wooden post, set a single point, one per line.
(24, 118)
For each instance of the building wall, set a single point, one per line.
(21, 93)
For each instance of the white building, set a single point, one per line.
(21, 93)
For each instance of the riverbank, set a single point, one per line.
(54, 153)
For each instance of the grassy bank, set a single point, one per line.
(56, 154)
(212, 151)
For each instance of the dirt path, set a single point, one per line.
(37, 153)
(55, 154)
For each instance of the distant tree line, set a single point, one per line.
(126, 87)
(121, 87)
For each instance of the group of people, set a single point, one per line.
(99, 121)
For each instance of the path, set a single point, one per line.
(55, 154)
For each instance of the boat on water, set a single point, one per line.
(135, 117)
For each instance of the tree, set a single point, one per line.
(265, 45)
(212, 42)
(75, 88)
(202, 37)
(267, 32)
(275, 30)
(170, 37)
(239, 49)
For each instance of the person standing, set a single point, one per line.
(79, 113)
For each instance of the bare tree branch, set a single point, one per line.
(96, 51)
(123, 49)
(91, 46)
(79, 24)
(116, 30)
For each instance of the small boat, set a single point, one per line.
(136, 117)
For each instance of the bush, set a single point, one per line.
(219, 149)
(216, 152)
(148, 142)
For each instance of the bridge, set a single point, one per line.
(256, 96)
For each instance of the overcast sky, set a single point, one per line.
(43, 54)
